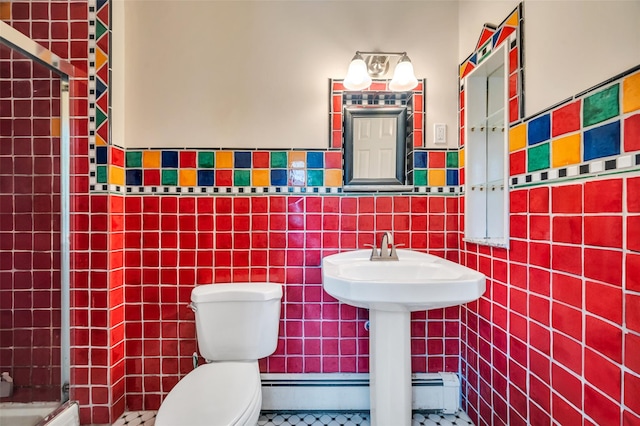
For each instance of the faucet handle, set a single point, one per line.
(394, 254)
(374, 250)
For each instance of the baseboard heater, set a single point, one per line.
(334, 392)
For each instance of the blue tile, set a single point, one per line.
(170, 159)
(134, 177)
(419, 159)
(315, 160)
(205, 177)
(452, 177)
(279, 177)
(101, 155)
(242, 160)
(539, 129)
(602, 141)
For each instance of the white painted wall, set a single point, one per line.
(573, 45)
(255, 73)
(569, 45)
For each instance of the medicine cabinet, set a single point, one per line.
(486, 150)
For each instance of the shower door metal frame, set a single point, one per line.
(14, 39)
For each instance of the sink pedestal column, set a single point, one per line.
(390, 368)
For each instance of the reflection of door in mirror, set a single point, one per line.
(374, 147)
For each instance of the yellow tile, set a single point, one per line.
(565, 151)
(55, 127)
(5, 10)
(116, 175)
(151, 159)
(436, 178)
(461, 158)
(517, 137)
(333, 177)
(100, 141)
(631, 93)
(224, 160)
(260, 177)
(187, 178)
(101, 59)
(513, 19)
(297, 159)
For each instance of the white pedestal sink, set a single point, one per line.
(391, 290)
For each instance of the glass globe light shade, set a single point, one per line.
(357, 76)
(403, 77)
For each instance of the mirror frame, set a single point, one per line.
(400, 114)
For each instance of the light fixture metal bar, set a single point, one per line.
(381, 53)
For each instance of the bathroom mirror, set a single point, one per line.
(375, 148)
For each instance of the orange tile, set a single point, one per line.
(187, 178)
(565, 151)
(151, 159)
(333, 177)
(297, 159)
(631, 93)
(436, 178)
(518, 137)
(55, 127)
(116, 175)
(5, 10)
(260, 177)
(224, 160)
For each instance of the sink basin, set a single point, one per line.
(391, 290)
(416, 282)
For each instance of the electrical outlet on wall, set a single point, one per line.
(439, 133)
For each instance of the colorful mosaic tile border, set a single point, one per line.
(99, 98)
(243, 171)
(509, 31)
(595, 132)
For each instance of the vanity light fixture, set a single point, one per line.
(366, 65)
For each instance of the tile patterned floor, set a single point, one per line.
(148, 418)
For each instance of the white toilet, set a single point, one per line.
(236, 324)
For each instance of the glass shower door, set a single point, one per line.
(30, 226)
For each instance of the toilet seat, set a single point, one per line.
(216, 394)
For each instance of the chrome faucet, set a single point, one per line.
(387, 249)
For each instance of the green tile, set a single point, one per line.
(278, 160)
(242, 178)
(420, 177)
(206, 160)
(452, 159)
(538, 157)
(315, 177)
(601, 106)
(100, 117)
(101, 174)
(133, 159)
(100, 29)
(169, 177)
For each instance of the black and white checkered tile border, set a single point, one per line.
(91, 86)
(597, 167)
(207, 190)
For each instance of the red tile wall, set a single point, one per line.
(555, 338)
(29, 227)
(172, 243)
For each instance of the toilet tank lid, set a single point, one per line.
(236, 292)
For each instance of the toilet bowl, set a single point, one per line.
(236, 324)
(216, 394)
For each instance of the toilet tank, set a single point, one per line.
(238, 321)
